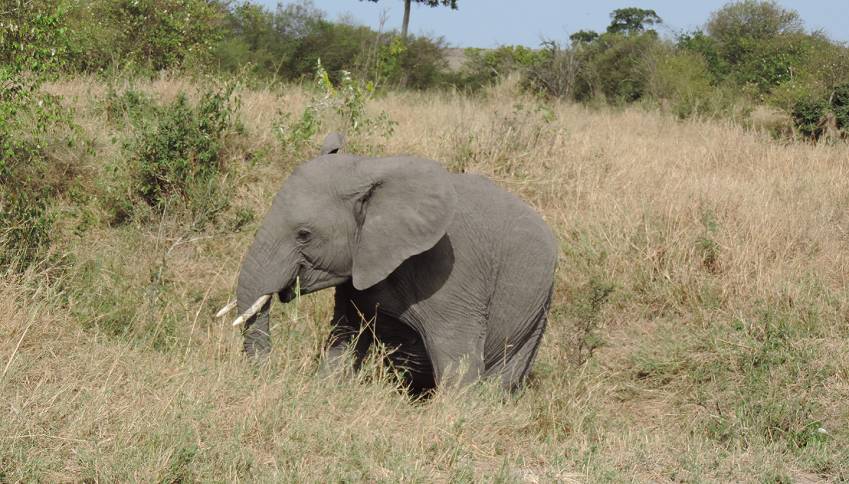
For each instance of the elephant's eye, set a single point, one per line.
(304, 235)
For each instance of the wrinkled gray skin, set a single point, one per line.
(451, 270)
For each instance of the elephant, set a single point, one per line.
(449, 271)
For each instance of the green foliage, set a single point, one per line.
(632, 20)
(840, 106)
(148, 34)
(32, 46)
(332, 107)
(484, 67)
(268, 41)
(287, 43)
(583, 37)
(757, 46)
(25, 228)
(708, 48)
(553, 71)
(422, 63)
(761, 408)
(681, 81)
(339, 46)
(808, 113)
(612, 66)
(752, 19)
(176, 158)
(615, 67)
(707, 248)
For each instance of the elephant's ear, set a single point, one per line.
(403, 209)
(333, 142)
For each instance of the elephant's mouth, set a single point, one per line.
(302, 288)
(288, 294)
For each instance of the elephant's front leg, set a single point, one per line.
(344, 337)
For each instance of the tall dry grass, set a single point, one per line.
(699, 330)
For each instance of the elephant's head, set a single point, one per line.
(338, 218)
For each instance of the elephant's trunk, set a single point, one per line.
(259, 277)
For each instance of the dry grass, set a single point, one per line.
(700, 331)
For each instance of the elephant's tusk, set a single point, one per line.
(226, 309)
(252, 310)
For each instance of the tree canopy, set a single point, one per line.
(632, 20)
(753, 19)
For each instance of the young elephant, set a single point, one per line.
(449, 270)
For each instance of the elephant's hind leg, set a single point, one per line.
(514, 373)
(515, 370)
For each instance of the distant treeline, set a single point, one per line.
(748, 52)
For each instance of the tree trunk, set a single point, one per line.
(406, 23)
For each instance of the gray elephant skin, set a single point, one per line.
(452, 273)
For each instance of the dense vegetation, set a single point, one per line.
(699, 326)
(749, 53)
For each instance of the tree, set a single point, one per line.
(760, 44)
(632, 20)
(753, 19)
(583, 37)
(429, 3)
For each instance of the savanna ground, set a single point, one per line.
(699, 332)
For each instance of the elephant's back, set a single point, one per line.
(502, 220)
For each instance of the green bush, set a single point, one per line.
(287, 43)
(25, 227)
(176, 158)
(32, 46)
(840, 106)
(332, 107)
(484, 67)
(683, 79)
(148, 34)
(421, 63)
(615, 67)
(808, 113)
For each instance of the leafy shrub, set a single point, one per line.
(615, 67)
(681, 81)
(339, 46)
(753, 19)
(484, 67)
(25, 226)
(287, 42)
(421, 63)
(335, 108)
(808, 113)
(840, 106)
(150, 34)
(32, 44)
(177, 157)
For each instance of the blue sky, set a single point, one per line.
(489, 23)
